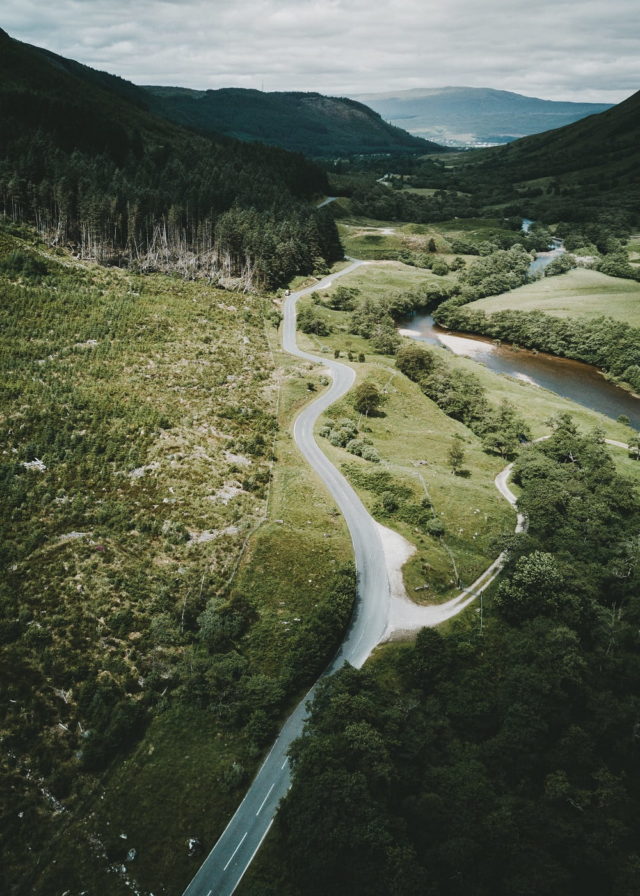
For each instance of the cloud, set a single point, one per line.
(557, 49)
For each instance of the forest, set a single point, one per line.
(502, 757)
(95, 172)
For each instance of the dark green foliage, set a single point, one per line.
(23, 264)
(321, 632)
(316, 125)
(373, 320)
(499, 270)
(82, 157)
(367, 398)
(456, 456)
(310, 320)
(343, 298)
(560, 265)
(500, 762)
(344, 434)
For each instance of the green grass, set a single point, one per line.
(579, 293)
(414, 431)
(146, 398)
(286, 570)
(383, 278)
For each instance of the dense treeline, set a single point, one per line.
(609, 344)
(374, 200)
(94, 171)
(500, 759)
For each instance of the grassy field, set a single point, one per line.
(579, 293)
(376, 240)
(390, 277)
(413, 438)
(142, 417)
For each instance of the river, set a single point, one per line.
(580, 382)
(571, 379)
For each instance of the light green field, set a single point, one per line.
(579, 293)
(384, 278)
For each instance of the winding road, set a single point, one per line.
(220, 873)
(378, 615)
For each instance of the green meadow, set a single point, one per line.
(579, 293)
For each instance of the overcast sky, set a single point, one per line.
(556, 49)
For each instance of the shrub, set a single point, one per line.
(369, 453)
(355, 446)
(435, 527)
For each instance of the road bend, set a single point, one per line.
(222, 870)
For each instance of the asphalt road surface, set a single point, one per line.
(220, 873)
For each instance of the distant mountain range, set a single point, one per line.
(315, 125)
(593, 164)
(472, 116)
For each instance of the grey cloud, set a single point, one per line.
(553, 48)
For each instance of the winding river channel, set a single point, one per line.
(579, 382)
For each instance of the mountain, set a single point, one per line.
(473, 115)
(84, 156)
(318, 126)
(572, 172)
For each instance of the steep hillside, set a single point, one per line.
(473, 115)
(585, 172)
(316, 125)
(84, 159)
(607, 142)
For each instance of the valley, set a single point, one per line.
(320, 564)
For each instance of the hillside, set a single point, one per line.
(318, 126)
(608, 141)
(83, 158)
(472, 115)
(586, 175)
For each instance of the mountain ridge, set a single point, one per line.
(469, 115)
(317, 125)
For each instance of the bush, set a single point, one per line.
(435, 527)
(23, 264)
(310, 321)
(355, 446)
(369, 453)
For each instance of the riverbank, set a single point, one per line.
(576, 381)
